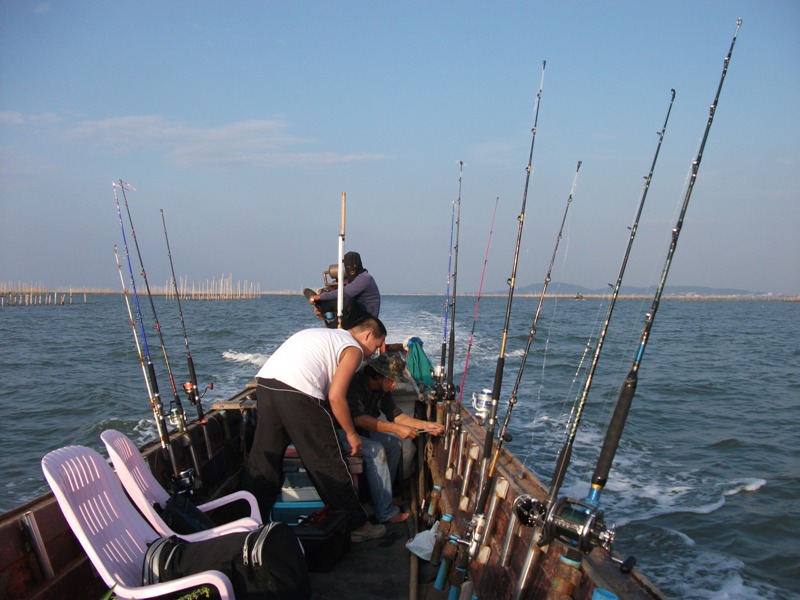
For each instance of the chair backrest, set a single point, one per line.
(136, 478)
(113, 534)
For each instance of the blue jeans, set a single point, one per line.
(382, 453)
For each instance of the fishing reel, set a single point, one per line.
(183, 482)
(193, 394)
(529, 510)
(333, 273)
(174, 416)
(579, 525)
(571, 522)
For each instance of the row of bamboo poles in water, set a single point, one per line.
(214, 289)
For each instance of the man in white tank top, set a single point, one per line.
(304, 379)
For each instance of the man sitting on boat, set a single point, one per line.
(301, 393)
(361, 295)
(369, 395)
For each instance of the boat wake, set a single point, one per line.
(248, 358)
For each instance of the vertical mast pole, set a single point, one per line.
(341, 274)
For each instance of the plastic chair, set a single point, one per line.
(112, 532)
(145, 491)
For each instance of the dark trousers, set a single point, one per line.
(285, 416)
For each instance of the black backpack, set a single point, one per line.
(267, 563)
(182, 516)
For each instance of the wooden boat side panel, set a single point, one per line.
(21, 576)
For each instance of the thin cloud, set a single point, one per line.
(258, 142)
(11, 117)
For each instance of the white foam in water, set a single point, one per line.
(747, 485)
(717, 577)
(249, 358)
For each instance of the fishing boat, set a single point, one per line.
(496, 531)
(41, 558)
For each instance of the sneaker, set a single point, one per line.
(368, 531)
(398, 517)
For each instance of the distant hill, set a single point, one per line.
(670, 290)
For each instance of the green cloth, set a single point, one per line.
(418, 364)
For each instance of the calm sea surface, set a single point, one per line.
(704, 489)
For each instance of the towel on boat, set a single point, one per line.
(418, 363)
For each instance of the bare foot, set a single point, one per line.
(398, 518)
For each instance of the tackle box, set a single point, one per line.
(325, 536)
(293, 512)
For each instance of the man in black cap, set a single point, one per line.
(361, 294)
(369, 395)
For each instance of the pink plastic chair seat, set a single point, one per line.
(145, 491)
(110, 529)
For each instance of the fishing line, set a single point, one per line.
(513, 398)
(515, 391)
(150, 379)
(498, 376)
(477, 303)
(564, 457)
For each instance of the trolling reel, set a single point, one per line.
(574, 523)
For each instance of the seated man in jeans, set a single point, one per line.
(369, 395)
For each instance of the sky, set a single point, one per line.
(246, 121)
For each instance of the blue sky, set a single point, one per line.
(245, 121)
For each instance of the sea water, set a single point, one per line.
(704, 487)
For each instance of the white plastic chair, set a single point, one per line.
(112, 532)
(145, 491)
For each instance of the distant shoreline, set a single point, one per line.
(42, 296)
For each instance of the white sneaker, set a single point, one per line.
(368, 531)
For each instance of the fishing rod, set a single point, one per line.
(515, 390)
(342, 275)
(450, 394)
(626, 394)
(440, 373)
(501, 358)
(477, 304)
(474, 530)
(190, 387)
(177, 414)
(133, 326)
(150, 372)
(478, 517)
(455, 430)
(580, 524)
(565, 454)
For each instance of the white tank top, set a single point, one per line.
(308, 359)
